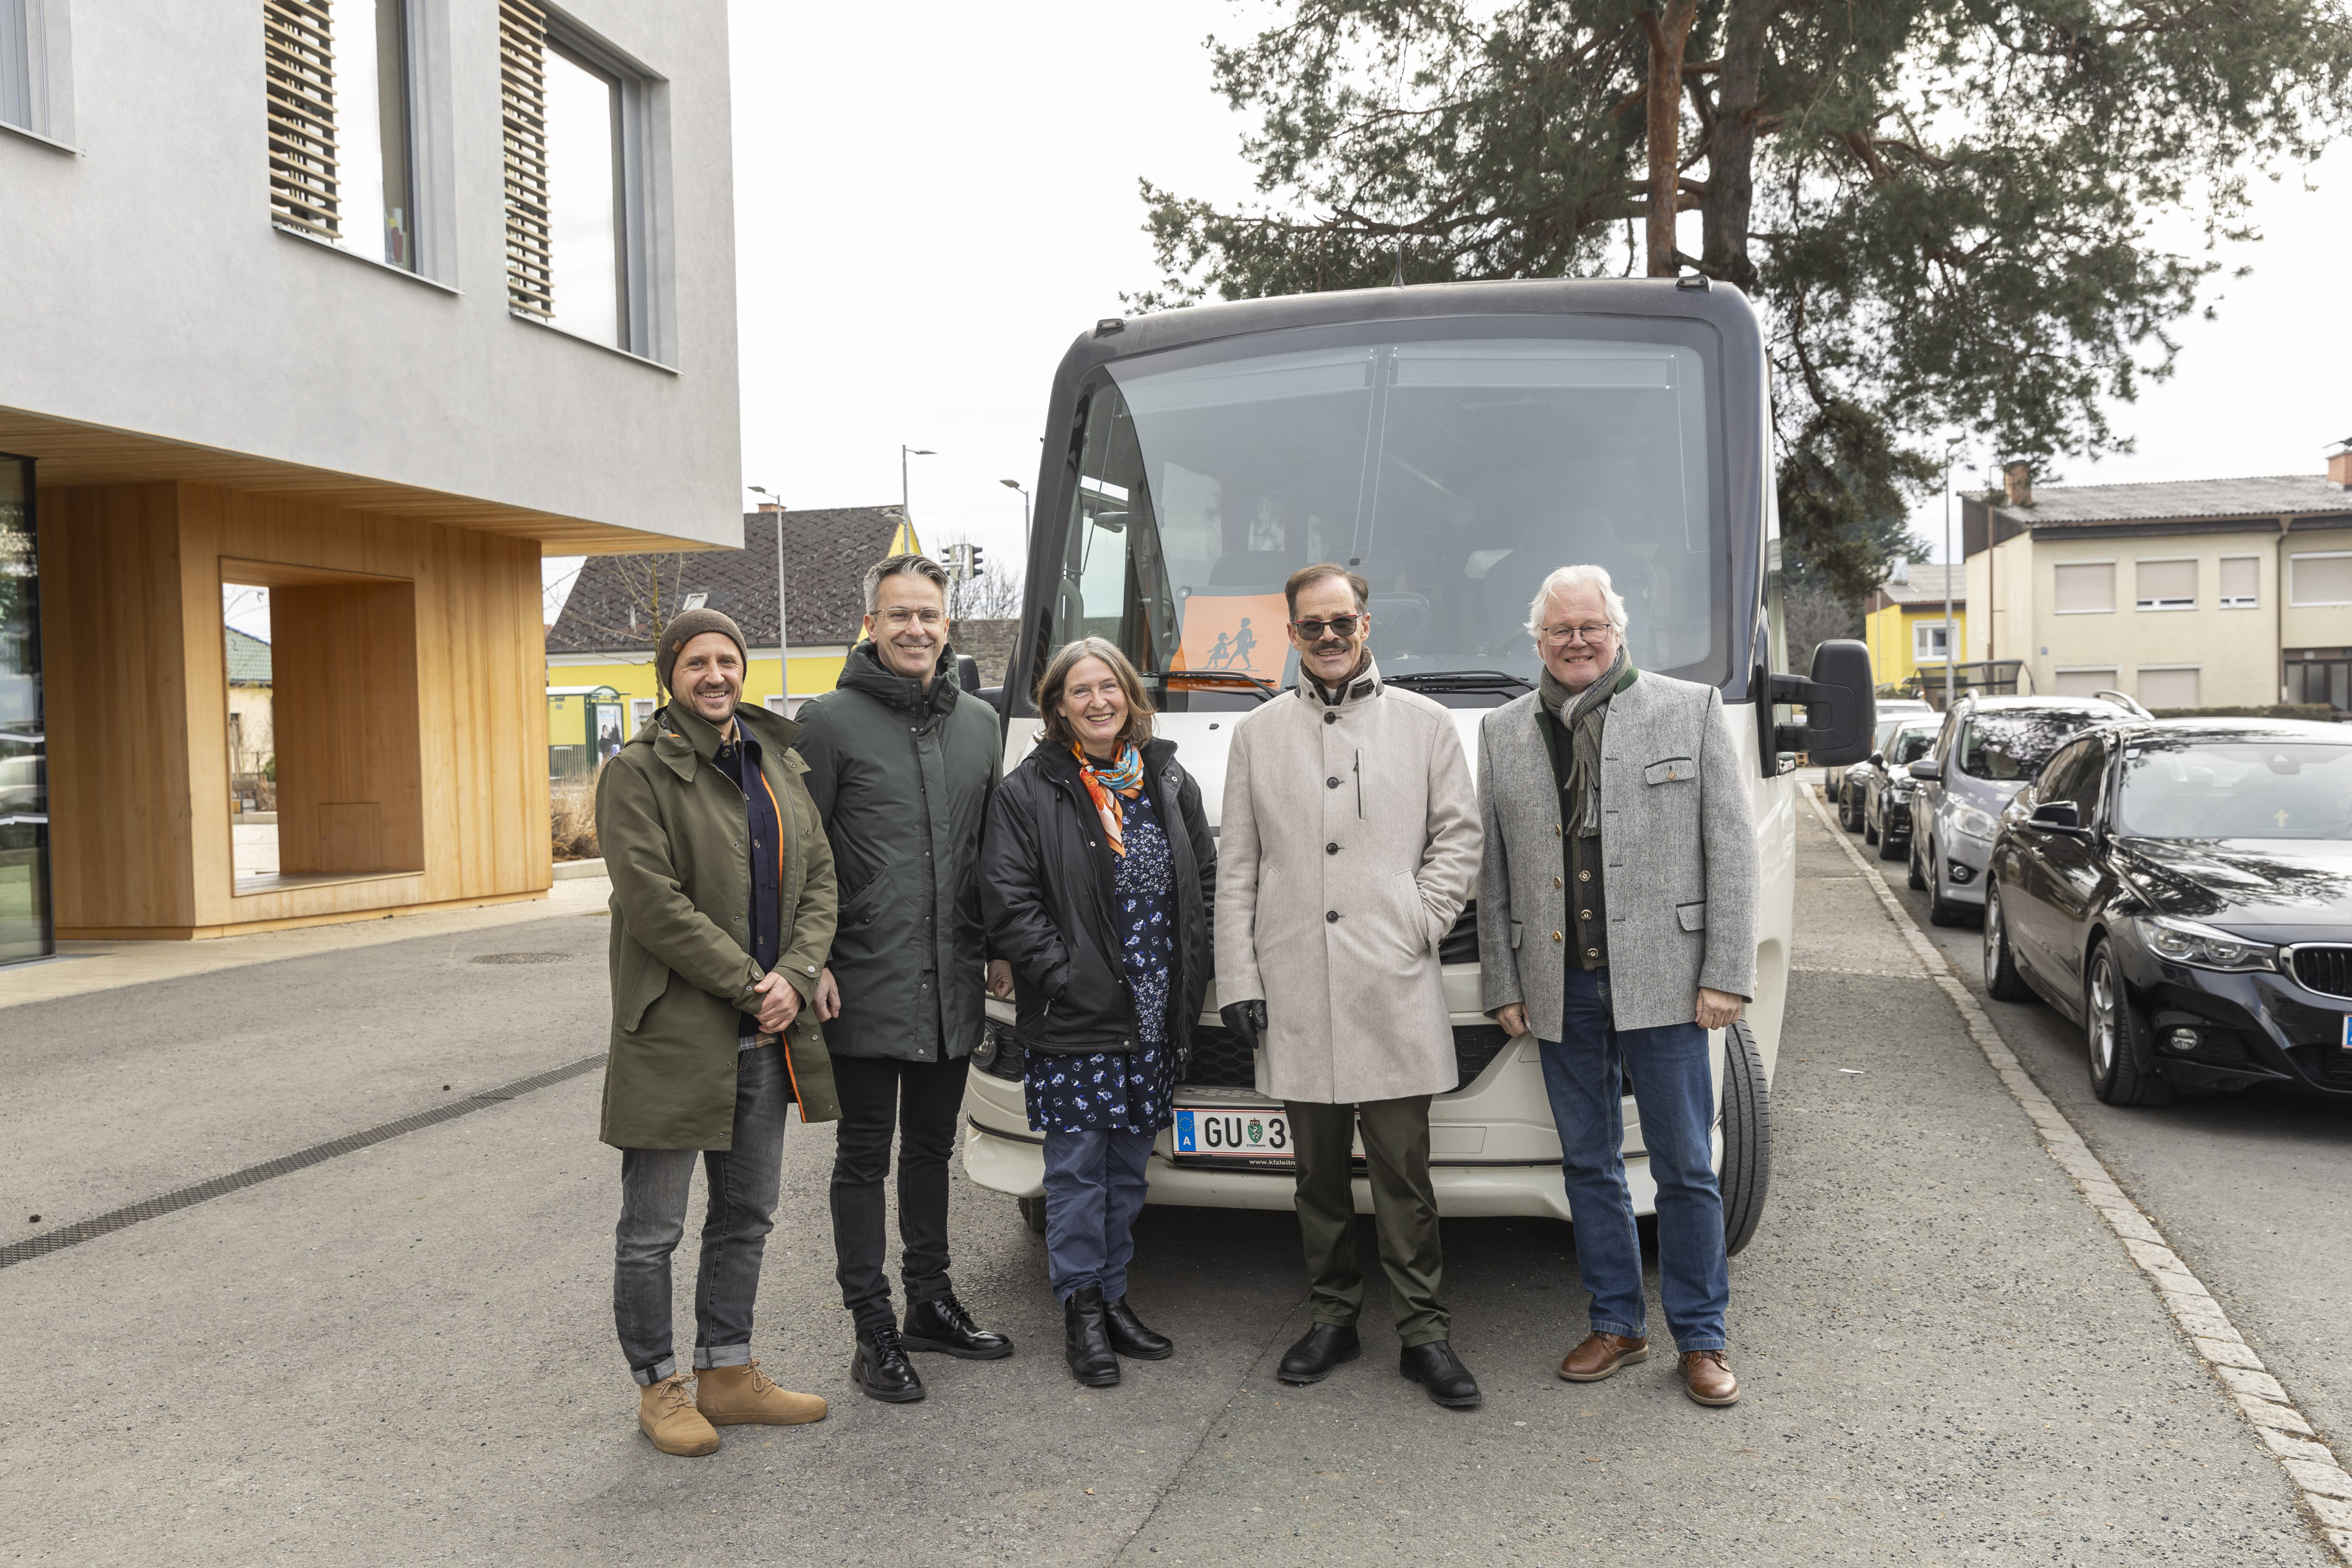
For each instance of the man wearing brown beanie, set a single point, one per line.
(722, 914)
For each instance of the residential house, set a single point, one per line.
(369, 305)
(604, 636)
(1904, 621)
(251, 750)
(2193, 593)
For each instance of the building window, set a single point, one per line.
(25, 929)
(2322, 577)
(2164, 686)
(2167, 585)
(2317, 675)
(2085, 588)
(641, 713)
(340, 154)
(1929, 641)
(2242, 580)
(2086, 682)
(581, 239)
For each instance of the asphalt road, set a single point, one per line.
(404, 1353)
(2249, 1189)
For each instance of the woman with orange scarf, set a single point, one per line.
(1097, 876)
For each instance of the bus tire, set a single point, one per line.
(1032, 1214)
(1747, 1120)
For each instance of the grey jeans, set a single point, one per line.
(654, 1191)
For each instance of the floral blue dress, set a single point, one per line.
(1128, 1091)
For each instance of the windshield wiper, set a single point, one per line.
(1460, 681)
(1214, 678)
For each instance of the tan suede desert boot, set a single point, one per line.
(666, 1414)
(1707, 1377)
(742, 1396)
(1600, 1354)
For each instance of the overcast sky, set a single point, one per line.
(933, 200)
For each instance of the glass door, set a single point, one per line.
(25, 928)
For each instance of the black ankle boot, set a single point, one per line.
(1129, 1337)
(942, 1324)
(881, 1368)
(1086, 1339)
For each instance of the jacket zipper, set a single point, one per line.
(1359, 784)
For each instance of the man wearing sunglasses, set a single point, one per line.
(1349, 843)
(1617, 924)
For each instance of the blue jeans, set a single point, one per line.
(1095, 1183)
(1674, 1091)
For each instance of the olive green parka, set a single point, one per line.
(902, 776)
(673, 828)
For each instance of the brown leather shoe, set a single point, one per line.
(1707, 1377)
(666, 1414)
(1601, 1354)
(742, 1395)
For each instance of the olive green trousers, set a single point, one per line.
(1405, 1211)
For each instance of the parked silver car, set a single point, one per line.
(1988, 749)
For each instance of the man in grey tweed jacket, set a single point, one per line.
(1617, 923)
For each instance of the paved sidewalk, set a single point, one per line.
(404, 1354)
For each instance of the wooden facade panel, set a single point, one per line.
(411, 714)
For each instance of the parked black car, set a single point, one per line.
(2183, 890)
(1884, 809)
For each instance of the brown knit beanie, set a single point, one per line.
(683, 630)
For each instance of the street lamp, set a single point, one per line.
(1016, 485)
(904, 452)
(1951, 451)
(783, 642)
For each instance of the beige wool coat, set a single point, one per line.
(1349, 844)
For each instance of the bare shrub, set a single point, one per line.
(571, 819)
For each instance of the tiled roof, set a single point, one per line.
(1926, 586)
(826, 552)
(248, 658)
(2270, 495)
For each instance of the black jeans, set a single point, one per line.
(923, 1100)
(743, 1183)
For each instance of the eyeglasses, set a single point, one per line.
(1596, 632)
(899, 617)
(1341, 627)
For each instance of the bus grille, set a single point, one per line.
(1222, 1061)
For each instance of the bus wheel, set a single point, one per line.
(1747, 1136)
(1032, 1214)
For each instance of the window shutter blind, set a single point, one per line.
(2168, 688)
(2084, 683)
(2086, 585)
(523, 92)
(2322, 579)
(2168, 582)
(298, 77)
(2241, 577)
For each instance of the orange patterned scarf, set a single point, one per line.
(1125, 777)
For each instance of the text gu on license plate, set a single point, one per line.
(1244, 1137)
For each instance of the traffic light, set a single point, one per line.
(972, 568)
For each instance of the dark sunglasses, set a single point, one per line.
(1341, 627)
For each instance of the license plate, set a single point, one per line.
(1241, 1137)
(2347, 1031)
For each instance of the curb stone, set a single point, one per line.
(2325, 1488)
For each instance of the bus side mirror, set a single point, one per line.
(1841, 705)
(967, 673)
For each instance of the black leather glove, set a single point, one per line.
(1245, 1020)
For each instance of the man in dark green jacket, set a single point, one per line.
(722, 911)
(901, 764)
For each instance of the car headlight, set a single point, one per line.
(1974, 823)
(1901, 792)
(2202, 947)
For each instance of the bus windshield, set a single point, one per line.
(1453, 470)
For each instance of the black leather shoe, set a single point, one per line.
(942, 1324)
(1320, 1349)
(1128, 1336)
(1436, 1368)
(1087, 1339)
(881, 1368)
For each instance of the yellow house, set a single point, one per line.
(604, 638)
(1904, 621)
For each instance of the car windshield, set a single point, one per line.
(2236, 789)
(1910, 745)
(1455, 471)
(2013, 746)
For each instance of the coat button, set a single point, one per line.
(1555, 882)
(1330, 849)
(1330, 915)
(1592, 953)
(1331, 783)
(1554, 830)
(1584, 876)
(1330, 717)
(1555, 936)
